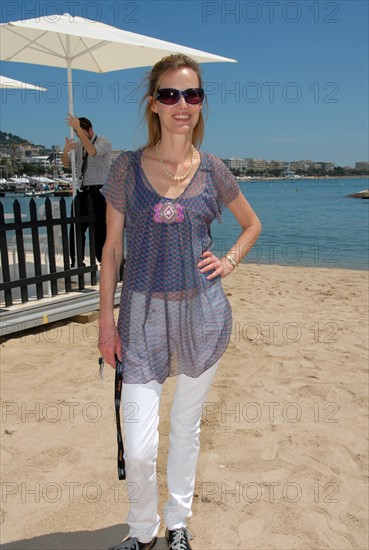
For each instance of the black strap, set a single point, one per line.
(84, 161)
(118, 397)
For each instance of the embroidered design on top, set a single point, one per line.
(167, 212)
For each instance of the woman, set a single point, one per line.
(174, 317)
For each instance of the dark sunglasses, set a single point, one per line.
(171, 96)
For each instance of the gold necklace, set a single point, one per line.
(175, 178)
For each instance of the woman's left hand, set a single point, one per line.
(210, 262)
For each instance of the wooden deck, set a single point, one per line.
(35, 313)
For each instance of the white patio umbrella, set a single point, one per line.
(79, 43)
(11, 84)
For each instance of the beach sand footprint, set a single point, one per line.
(249, 530)
(270, 448)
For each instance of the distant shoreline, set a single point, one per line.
(325, 178)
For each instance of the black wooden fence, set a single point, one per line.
(50, 251)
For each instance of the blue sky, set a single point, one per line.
(298, 91)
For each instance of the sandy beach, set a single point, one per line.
(284, 447)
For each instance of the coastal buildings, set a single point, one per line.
(362, 166)
(253, 165)
(236, 163)
(261, 167)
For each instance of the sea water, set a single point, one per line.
(305, 222)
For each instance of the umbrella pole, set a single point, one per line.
(70, 110)
(73, 154)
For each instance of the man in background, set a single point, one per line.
(93, 156)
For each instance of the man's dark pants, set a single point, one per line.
(99, 208)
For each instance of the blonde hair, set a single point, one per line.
(153, 80)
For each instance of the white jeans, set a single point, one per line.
(141, 437)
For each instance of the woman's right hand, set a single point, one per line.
(109, 342)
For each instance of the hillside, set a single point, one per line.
(7, 139)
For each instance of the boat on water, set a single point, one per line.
(63, 192)
(293, 177)
(63, 187)
(35, 193)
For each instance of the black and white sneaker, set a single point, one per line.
(132, 543)
(178, 539)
